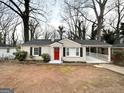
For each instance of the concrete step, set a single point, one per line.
(56, 62)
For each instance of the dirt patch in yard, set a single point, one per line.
(33, 78)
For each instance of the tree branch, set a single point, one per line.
(11, 8)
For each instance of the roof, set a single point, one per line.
(40, 42)
(119, 45)
(83, 42)
(4, 45)
(92, 42)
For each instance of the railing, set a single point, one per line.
(97, 55)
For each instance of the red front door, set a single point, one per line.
(56, 53)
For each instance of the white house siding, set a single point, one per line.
(69, 43)
(9, 55)
(44, 49)
(73, 59)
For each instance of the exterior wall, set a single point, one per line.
(73, 59)
(9, 55)
(44, 49)
(117, 49)
(68, 44)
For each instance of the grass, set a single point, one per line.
(31, 78)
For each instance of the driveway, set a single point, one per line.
(112, 67)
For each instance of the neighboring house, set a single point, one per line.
(6, 51)
(118, 47)
(69, 50)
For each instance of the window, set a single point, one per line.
(72, 52)
(77, 51)
(67, 51)
(8, 50)
(36, 51)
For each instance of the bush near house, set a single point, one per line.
(118, 58)
(21, 55)
(46, 57)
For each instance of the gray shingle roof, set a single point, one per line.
(91, 42)
(40, 42)
(4, 45)
(118, 45)
(48, 42)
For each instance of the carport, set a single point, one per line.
(98, 54)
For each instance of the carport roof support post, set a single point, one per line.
(109, 54)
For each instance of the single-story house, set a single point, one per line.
(7, 51)
(118, 47)
(66, 50)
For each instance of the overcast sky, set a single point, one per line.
(55, 18)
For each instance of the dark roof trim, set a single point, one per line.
(43, 42)
(118, 45)
(3, 45)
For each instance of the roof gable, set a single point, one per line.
(56, 44)
(70, 43)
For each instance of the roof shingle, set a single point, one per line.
(48, 42)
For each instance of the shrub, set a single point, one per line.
(21, 55)
(46, 57)
(118, 58)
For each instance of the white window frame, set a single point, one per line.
(38, 51)
(71, 54)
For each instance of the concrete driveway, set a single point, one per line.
(112, 67)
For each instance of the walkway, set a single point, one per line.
(90, 59)
(112, 67)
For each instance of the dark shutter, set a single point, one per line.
(39, 51)
(81, 55)
(63, 51)
(30, 51)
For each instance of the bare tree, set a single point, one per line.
(120, 15)
(61, 32)
(74, 19)
(33, 25)
(5, 26)
(14, 36)
(23, 8)
(99, 14)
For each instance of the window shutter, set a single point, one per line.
(81, 55)
(63, 51)
(39, 51)
(30, 51)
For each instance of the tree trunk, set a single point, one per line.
(26, 29)
(26, 20)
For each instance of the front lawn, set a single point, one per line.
(33, 78)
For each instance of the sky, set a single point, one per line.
(55, 18)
